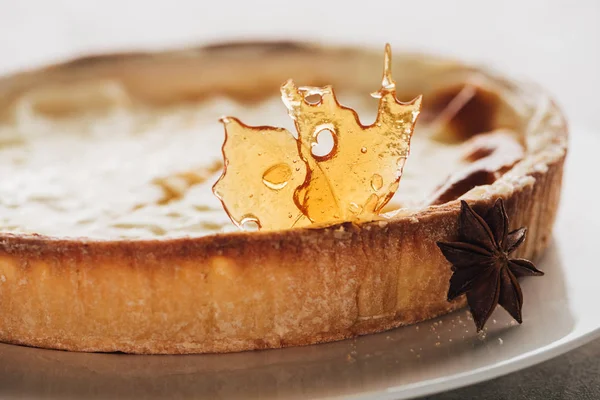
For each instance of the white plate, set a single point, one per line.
(560, 313)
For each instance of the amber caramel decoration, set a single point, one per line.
(278, 181)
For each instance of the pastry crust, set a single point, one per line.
(244, 291)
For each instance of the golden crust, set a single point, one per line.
(245, 291)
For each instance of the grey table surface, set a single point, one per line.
(572, 376)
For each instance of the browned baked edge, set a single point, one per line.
(243, 291)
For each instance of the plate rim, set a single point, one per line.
(583, 332)
(483, 374)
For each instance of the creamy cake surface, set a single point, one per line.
(141, 172)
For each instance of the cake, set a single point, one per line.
(111, 239)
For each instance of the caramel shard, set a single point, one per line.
(354, 180)
(261, 173)
(362, 172)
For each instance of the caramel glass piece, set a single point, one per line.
(261, 173)
(275, 181)
(362, 171)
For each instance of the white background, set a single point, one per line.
(556, 43)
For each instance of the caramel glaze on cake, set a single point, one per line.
(236, 291)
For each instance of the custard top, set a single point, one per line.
(142, 172)
(129, 146)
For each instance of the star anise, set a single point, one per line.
(482, 268)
